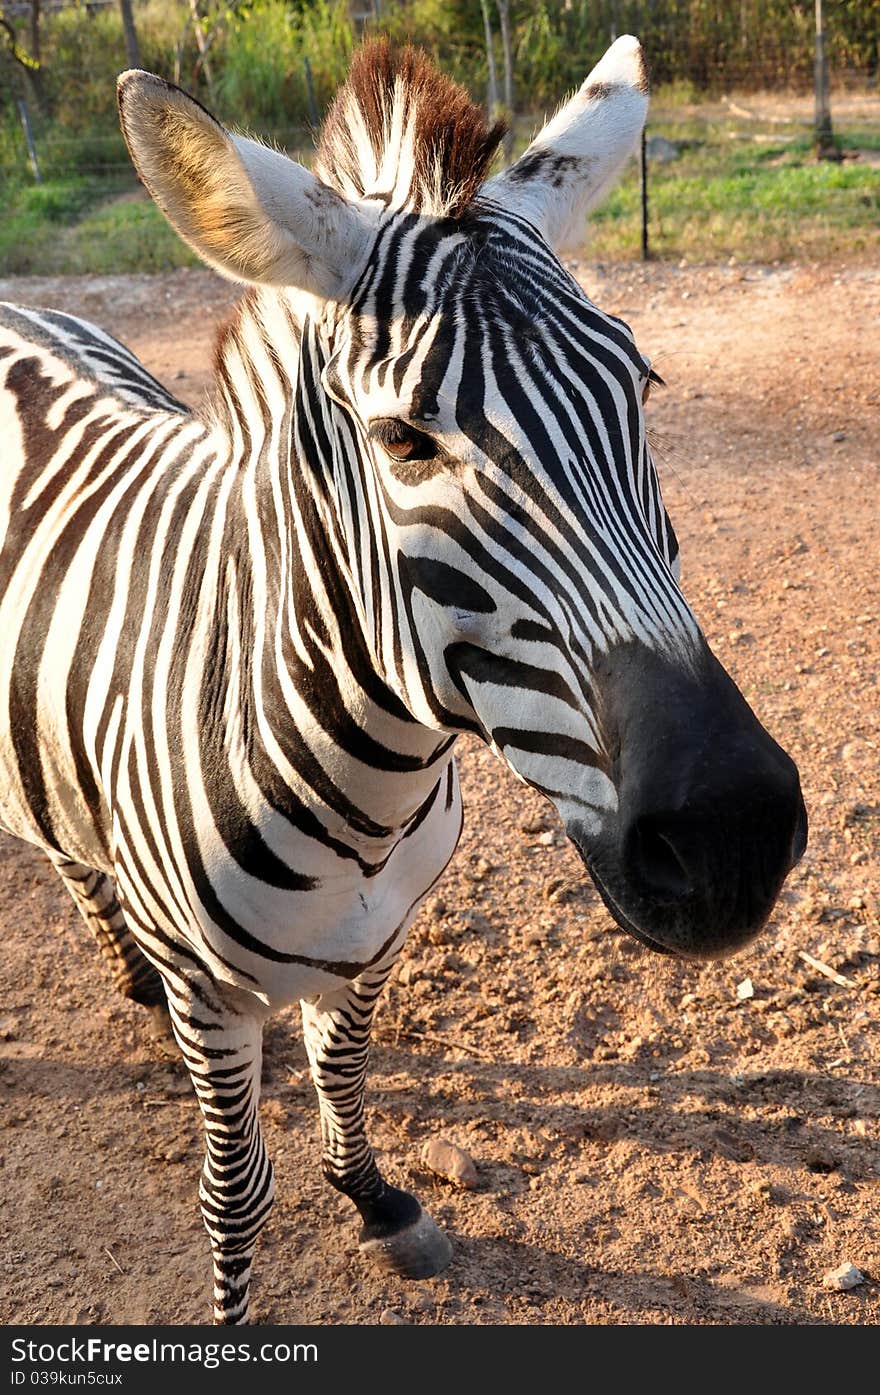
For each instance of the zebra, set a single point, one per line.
(239, 644)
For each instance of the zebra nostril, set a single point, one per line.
(652, 857)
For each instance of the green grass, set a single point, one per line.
(71, 228)
(753, 195)
(739, 189)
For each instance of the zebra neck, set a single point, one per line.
(320, 711)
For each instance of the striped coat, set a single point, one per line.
(238, 644)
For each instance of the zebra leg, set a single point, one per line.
(222, 1046)
(97, 902)
(396, 1232)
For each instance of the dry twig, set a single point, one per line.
(442, 1041)
(826, 969)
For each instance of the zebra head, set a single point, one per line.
(496, 512)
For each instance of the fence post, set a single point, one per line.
(643, 163)
(32, 149)
(826, 146)
(310, 89)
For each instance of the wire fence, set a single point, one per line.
(46, 151)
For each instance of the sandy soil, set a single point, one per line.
(651, 1146)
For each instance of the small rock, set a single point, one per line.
(843, 1278)
(435, 908)
(745, 990)
(838, 436)
(440, 933)
(821, 1159)
(389, 1318)
(546, 840)
(449, 1161)
(535, 825)
(405, 975)
(735, 1149)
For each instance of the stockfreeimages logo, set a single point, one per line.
(95, 1351)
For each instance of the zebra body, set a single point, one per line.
(238, 644)
(357, 883)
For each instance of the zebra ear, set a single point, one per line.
(574, 160)
(250, 212)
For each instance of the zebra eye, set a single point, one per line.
(402, 441)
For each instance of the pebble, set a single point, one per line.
(440, 933)
(389, 1318)
(451, 1162)
(535, 825)
(745, 990)
(735, 1149)
(843, 1278)
(762, 1190)
(838, 436)
(821, 1159)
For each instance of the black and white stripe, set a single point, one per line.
(238, 645)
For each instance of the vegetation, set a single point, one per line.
(739, 187)
(744, 190)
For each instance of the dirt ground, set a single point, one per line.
(653, 1145)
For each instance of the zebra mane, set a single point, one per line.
(402, 130)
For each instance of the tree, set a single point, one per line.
(826, 145)
(132, 47)
(507, 49)
(492, 90)
(29, 64)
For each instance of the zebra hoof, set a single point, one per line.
(418, 1251)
